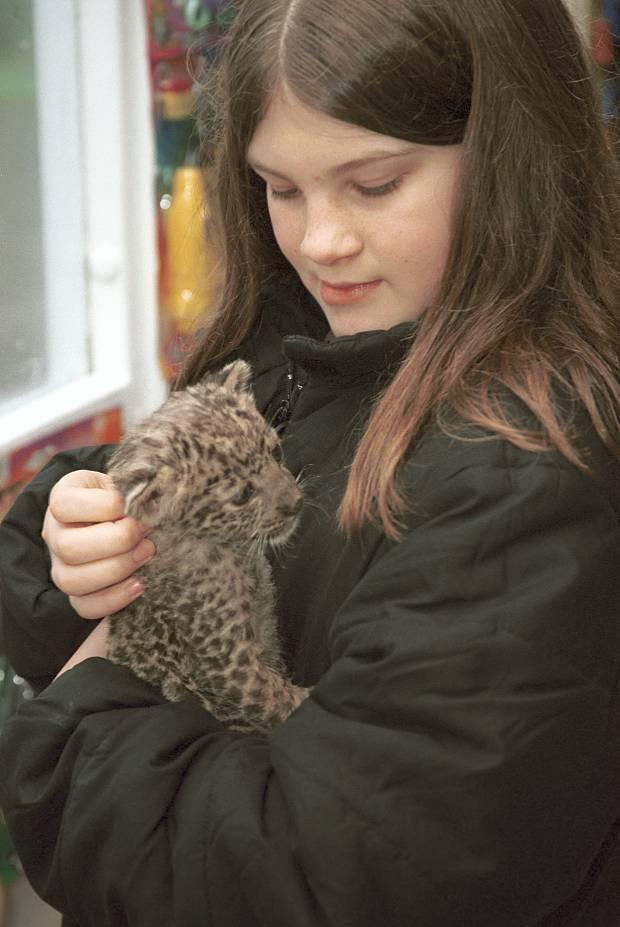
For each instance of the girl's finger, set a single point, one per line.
(107, 601)
(74, 504)
(93, 577)
(86, 479)
(79, 544)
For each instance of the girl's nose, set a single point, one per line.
(330, 235)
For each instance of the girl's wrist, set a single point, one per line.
(95, 645)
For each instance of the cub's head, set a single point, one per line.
(207, 464)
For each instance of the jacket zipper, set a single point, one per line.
(293, 389)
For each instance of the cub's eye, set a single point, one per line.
(244, 495)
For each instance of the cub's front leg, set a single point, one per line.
(147, 646)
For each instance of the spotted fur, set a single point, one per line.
(203, 472)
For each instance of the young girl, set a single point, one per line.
(419, 217)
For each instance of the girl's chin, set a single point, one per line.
(354, 320)
(346, 323)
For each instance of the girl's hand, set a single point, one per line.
(95, 645)
(95, 548)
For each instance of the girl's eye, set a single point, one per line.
(283, 194)
(244, 495)
(381, 190)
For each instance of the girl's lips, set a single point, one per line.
(346, 293)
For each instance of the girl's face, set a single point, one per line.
(365, 219)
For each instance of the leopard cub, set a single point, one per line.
(203, 472)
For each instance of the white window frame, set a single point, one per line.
(119, 229)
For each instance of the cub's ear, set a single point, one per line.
(148, 494)
(236, 377)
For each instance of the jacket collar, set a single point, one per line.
(353, 356)
(304, 339)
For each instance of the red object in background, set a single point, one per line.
(603, 43)
(170, 37)
(20, 466)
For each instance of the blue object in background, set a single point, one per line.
(611, 12)
(611, 88)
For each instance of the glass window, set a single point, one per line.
(43, 301)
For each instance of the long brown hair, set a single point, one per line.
(531, 294)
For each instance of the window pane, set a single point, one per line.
(43, 311)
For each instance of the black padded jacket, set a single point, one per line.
(458, 761)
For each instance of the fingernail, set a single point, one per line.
(144, 551)
(135, 588)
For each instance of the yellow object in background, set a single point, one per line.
(190, 268)
(193, 265)
(177, 104)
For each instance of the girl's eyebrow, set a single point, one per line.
(379, 155)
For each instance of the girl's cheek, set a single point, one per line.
(285, 222)
(286, 236)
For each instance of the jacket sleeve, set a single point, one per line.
(39, 628)
(457, 765)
